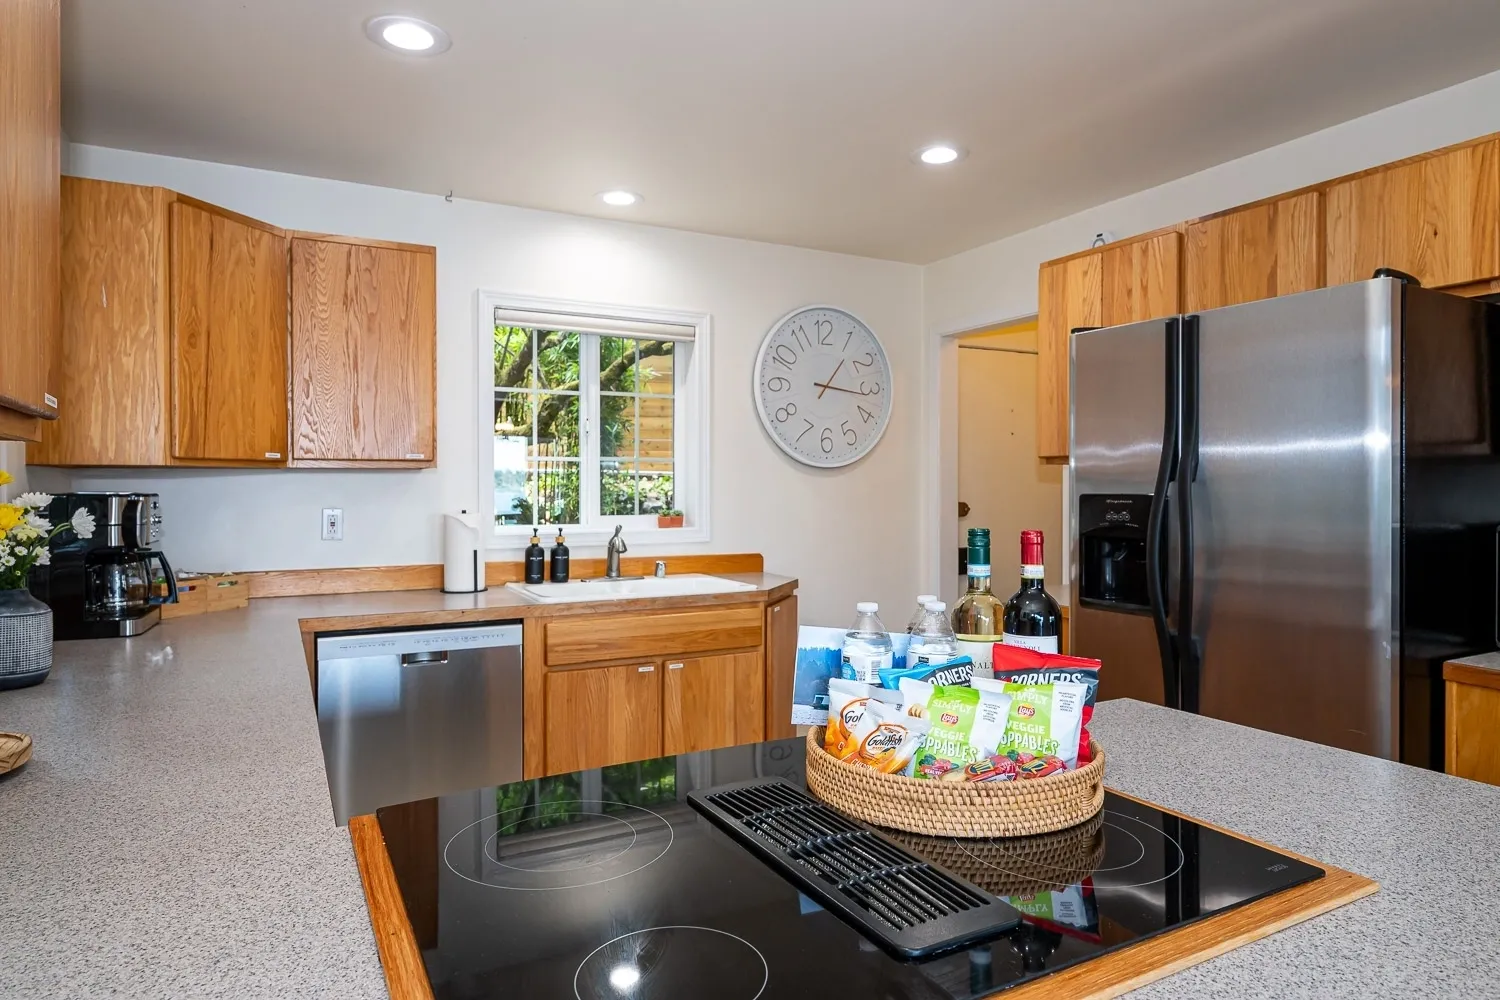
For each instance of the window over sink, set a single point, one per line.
(596, 418)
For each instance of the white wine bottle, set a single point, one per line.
(978, 616)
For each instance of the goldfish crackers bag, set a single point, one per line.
(846, 706)
(886, 739)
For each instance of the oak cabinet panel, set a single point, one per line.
(30, 157)
(601, 638)
(1436, 218)
(1070, 296)
(364, 343)
(1259, 252)
(1472, 739)
(1140, 279)
(780, 667)
(712, 701)
(596, 716)
(229, 337)
(113, 362)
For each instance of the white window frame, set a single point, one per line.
(690, 425)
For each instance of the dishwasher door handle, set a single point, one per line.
(437, 656)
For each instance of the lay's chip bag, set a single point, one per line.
(1044, 719)
(967, 724)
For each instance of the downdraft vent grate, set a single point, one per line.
(911, 907)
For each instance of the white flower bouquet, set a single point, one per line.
(26, 535)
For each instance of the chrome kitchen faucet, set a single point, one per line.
(612, 554)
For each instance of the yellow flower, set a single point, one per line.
(6, 478)
(10, 516)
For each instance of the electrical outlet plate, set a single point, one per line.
(333, 524)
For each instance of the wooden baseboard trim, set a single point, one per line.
(405, 975)
(429, 576)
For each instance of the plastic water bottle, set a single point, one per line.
(934, 641)
(867, 646)
(915, 621)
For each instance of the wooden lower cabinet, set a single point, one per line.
(1472, 739)
(712, 701)
(598, 716)
(781, 667)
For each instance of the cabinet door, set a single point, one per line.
(112, 365)
(1472, 742)
(229, 337)
(712, 701)
(602, 715)
(364, 348)
(1070, 296)
(30, 150)
(1254, 253)
(781, 667)
(1435, 218)
(1140, 280)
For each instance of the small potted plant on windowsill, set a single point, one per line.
(669, 519)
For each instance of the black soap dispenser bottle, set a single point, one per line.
(536, 559)
(560, 559)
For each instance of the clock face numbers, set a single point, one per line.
(823, 385)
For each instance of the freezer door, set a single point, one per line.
(1118, 393)
(1294, 515)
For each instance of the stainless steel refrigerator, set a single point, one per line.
(1283, 514)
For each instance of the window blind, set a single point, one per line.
(605, 326)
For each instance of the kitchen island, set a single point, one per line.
(173, 836)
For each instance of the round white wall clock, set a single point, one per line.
(823, 386)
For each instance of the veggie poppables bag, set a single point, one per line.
(1045, 719)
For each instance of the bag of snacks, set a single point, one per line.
(954, 672)
(1016, 663)
(886, 738)
(846, 705)
(967, 724)
(1044, 723)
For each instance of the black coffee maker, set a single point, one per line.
(105, 586)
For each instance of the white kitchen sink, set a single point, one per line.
(678, 585)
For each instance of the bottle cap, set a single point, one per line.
(922, 599)
(867, 607)
(935, 606)
(979, 546)
(1031, 548)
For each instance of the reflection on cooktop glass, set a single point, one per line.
(607, 883)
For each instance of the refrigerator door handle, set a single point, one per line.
(1189, 664)
(1156, 524)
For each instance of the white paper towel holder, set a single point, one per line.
(463, 556)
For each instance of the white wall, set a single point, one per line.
(847, 534)
(996, 283)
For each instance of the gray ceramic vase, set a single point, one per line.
(25, 639)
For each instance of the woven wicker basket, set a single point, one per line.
(1019, 808)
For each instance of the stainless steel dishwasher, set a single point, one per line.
(413, 714)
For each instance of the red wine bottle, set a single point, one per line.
(1032, 617)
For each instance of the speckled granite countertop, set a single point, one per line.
(1484, 661)
(172, 836)
(1431, 841)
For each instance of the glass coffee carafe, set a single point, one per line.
(118, 582)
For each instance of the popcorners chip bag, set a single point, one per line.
(1045, 719)
(1016, 663)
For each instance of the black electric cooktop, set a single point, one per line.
(610, 884)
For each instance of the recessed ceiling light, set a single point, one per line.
(619, 199)
(939, 154)
(407, 34)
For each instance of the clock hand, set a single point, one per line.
(824, 386)
(838, 388)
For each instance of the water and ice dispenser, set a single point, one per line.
(1112, 551)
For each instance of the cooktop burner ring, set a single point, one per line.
(1094, 872)
(635, 839)
(624, 976)
(494, 854)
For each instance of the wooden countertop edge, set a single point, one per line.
(1105, 977)
(1468, 673)
(400, 957)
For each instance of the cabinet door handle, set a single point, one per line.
(674, 666)
(644, 670)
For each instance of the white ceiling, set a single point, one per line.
(791, 121)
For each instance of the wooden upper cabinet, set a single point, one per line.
(712, 701)
(364, 349)
(229, 337)
(1435, 218)
(113, 365)
(1120, 283)
(596, 716)
(1258, 252)
(30, 157)
(1070, 296)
